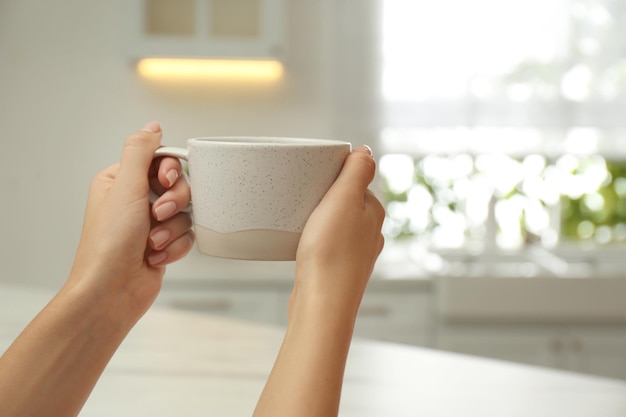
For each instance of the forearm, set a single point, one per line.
(54, 364)
(308, 374)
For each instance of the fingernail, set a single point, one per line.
(159, 238)
(365, 149)
(165, 210)
(157, 257)
(171, 176)
(152, 127)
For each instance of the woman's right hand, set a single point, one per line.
(342, 238)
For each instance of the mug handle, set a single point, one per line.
(180, 153)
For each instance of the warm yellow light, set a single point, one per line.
(261, 70)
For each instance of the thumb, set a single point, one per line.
(357, 172)
(138, 153)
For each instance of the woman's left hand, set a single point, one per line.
(126, 242)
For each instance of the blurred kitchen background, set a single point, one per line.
(498, 126)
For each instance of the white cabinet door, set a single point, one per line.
(595, 350)
(257, 306)
(598, 351)
(533, 345)
(394, 316)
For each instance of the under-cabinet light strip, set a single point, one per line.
(262, 70)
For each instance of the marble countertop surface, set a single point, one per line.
(177, 363)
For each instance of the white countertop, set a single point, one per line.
(178, 363)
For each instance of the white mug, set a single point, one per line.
(251, 196)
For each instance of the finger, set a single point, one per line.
(170, 170)
(357, 172)
(138, 153)
(172, 201)
(167, 232)
(174, 251)
(164, 172)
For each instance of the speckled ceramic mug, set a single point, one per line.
(251, 196)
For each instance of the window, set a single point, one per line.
(502, 122)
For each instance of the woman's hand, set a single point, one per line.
(125, 243)
(342, 238)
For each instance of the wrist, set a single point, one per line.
(336, 297)
(122, 292)
(319, 311)
(101, 303)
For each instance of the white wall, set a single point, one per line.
(69, 96)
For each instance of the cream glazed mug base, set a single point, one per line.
(251, 245)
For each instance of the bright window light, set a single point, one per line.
(441, 49)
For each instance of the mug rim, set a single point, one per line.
(266, 140)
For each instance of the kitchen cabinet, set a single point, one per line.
(249, 29)
(599, 350)
(533, 346)
(574, 324)
(394, 316)
(388, 312)
(591, 349)
(266, 306)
